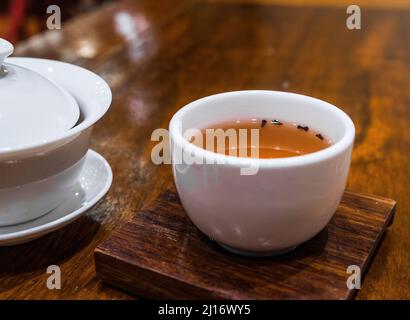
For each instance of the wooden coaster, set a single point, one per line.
(160, 254)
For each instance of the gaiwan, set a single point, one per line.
(44, 133)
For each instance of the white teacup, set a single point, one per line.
(288, 201)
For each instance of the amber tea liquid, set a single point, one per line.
(277, 139)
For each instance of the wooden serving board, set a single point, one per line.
(160, 254)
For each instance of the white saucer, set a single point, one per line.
(95, 180)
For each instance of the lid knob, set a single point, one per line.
(6, 49)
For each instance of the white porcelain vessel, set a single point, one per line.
(37, 176)
(93, 184)
(288, 201)
(32, 108)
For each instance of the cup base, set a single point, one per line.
(257, 254)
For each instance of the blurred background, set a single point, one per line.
(20, 19)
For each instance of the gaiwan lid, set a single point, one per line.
(32, 108)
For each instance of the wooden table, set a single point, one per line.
(159, 55)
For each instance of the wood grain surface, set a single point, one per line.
(160, 254)
(159, 55)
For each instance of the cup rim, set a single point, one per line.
(322, 155)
